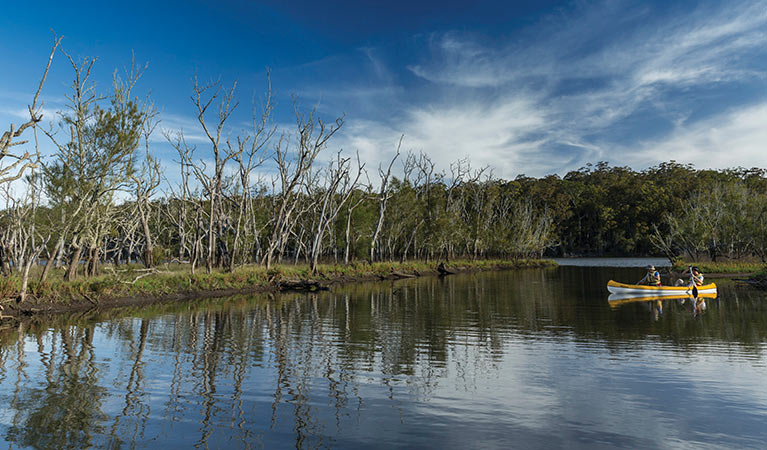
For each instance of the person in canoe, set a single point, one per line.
(694, 276)
(652, 278)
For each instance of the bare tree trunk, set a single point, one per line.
(74, 262)
(311, 138)
(60, 254)
(348, 236)
(5, 266)
(25, 273)
(338, 183)
(211, 237)
(92, 264)
(383, 197)
(56, 256)
(148, 244)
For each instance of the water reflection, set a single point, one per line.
(65, 406)
(428, 362)
(654, 303)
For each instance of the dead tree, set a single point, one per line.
(249, 156)
(338, 187)
(24, 161)
(21, 162)
(212, 183)
(384, 194)
(145, 182)
(181, 199)
(312, 135)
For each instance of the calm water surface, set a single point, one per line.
(613, 262)
(524, 359)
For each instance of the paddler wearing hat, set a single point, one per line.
(652, 278)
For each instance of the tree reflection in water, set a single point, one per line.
(307, 370)
(63, 409)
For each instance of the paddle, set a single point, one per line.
(692, 282)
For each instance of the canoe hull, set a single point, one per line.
(621, 288)
(621, 299)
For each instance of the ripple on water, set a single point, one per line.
(508, 359)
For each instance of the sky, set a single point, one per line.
(532, 88)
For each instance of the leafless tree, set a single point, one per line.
(384, 194)
(294, 167)
(145, 183)
(249, 155)
(203, 98)
(24, 161)
(339, 186)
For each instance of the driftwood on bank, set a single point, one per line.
(301, 285)
(402, 275)
(443, 270)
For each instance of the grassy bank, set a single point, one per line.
(175, 282)
(722, 267)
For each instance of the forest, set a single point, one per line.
(269, 195)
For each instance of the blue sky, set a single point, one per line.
(524, 87)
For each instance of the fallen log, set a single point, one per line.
(443, 270)
(402, 275)
(302, 285)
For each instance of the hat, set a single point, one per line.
(650, 267)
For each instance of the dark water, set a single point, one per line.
(523, 359)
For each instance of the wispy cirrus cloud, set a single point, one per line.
(587, 85)
(175, 124)
(736, 138)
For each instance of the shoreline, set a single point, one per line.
(89, 295)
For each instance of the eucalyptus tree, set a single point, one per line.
(479, 200)
(407, 211)
(361, 196)
(93, 159)
(758, 225)
(452, 229)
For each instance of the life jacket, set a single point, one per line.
(653, 279)
(698, 280)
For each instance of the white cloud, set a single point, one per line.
(731, 139)
(172, 124)
(514, 106)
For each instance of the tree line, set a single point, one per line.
(269, 195)
(262, 195)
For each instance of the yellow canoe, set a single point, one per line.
(621, 288)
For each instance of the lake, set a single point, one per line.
(527, 359)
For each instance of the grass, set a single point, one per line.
(722, 266)
(132, 281)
